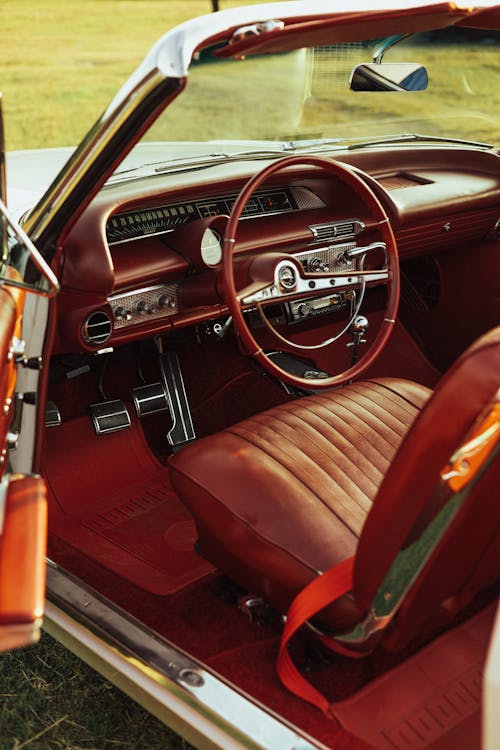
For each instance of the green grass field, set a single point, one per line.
(50, 700)
(64, 60)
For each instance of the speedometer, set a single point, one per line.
(211, 248)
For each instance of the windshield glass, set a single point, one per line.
(305, 95)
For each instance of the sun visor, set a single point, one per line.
(344, 27)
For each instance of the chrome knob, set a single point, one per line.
(360, 324)
(121, 314)
(303, 309)
(317, 264)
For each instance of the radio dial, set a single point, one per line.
(304, 309)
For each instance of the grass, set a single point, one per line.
(50, 700)
(64, 60)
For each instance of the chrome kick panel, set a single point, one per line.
(328, 259)
(151, 303)
(300, 310)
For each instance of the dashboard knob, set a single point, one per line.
(150, 309)
(163, 301)
(303, 309)
(140, 306)
(121, 314)
(318, 265)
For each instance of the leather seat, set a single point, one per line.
(283, 496)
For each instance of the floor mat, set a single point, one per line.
(111, 499)
(430, 701)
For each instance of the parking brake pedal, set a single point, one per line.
(109, 416)
(149, 399)
(182, 430)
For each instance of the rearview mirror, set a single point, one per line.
(389, 77)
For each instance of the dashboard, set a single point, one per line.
(145, 256)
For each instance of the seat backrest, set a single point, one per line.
(466, 559)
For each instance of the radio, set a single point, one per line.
(306, 308)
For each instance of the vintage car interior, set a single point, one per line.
(273, 360)
(178, 372)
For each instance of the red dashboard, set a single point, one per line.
(132, 262)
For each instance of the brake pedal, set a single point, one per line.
(109, 416)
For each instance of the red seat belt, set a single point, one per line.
(319, 593)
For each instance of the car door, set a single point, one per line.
(23, 507)
(23, 510)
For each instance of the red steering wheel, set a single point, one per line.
(278, 277)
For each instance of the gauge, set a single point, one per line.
(211, 248)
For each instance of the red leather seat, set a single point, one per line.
(281, 497)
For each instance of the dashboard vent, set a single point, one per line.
(337, 230)
(97, 328)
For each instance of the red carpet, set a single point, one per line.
(432, 699)
(111, 499)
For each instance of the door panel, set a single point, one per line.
(22, 562)
(23, 509)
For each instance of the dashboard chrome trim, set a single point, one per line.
(334, 256)
(151, 303)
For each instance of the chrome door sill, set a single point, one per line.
(168, 683)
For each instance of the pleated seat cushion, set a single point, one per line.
(283, 496)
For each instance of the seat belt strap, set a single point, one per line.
(319, 593)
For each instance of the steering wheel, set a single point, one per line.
(279, 277)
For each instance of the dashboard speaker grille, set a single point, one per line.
(420, 284)
(97, 328)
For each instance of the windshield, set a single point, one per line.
(305, 95)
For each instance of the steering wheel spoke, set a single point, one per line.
(311, 285)
(257, 292)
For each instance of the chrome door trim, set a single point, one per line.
(174, 687)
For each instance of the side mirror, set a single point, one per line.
(389, 77)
